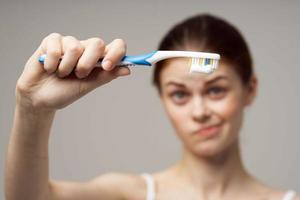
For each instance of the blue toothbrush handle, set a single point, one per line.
(138, 60)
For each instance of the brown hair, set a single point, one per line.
(212, 34)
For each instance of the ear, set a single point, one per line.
(251, 90)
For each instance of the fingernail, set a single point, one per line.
(107, 65)
(123, 72)
(80, 75)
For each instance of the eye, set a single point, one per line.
(216, 92)
(179, 96)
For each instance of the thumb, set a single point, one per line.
(33, 69)
(122, 71)
(100, 77)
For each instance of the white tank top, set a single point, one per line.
(289, 195)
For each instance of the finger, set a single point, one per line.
(53, 50)
(122, 71)
(33, 68)
(115, 51)
(72, 49)
(99, 77)
(103, 76)
(94, 49)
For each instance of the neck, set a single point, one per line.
(215, 174)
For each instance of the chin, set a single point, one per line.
(207, 150)
(212, 148)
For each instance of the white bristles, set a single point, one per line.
(203, 62)
(203, 65)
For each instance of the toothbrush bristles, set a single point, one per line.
(203, 65)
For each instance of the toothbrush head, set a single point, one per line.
(203, 65)
(202, 62)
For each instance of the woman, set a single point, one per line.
(205, 110)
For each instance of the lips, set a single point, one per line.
(208, 131)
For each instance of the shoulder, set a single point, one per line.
(270, 192)
(297, 197)
(110, 186)
(118, 179)
(290, 195)
(128, 185)
(282, 194)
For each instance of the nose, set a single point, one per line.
(199, 110)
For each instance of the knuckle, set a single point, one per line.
(98, 43)
(54, 35)
(75, 48)
(121, 45)
(70, 37)
(121, 42)
(54, 52)
(73, 45)
(49, 38)
(44, 41)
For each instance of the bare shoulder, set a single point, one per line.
(110, 186)
(280, 194)
(269, 192)
(129, 185)
(297, 197)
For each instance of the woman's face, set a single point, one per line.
(205, 110)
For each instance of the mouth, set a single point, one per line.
(208, 131)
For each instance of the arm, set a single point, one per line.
(40, 91)
(27, 157)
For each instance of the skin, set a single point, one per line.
(210, 167)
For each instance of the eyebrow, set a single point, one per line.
(216, 79)
(175, 83)
(207, 82)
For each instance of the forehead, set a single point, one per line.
(177, 70)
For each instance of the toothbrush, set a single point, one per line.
(199, 61)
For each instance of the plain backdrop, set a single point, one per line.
(122, 126)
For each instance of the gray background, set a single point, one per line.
(122, 126)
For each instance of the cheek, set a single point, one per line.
(230, 111)
(177, 115)
(228, 108)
